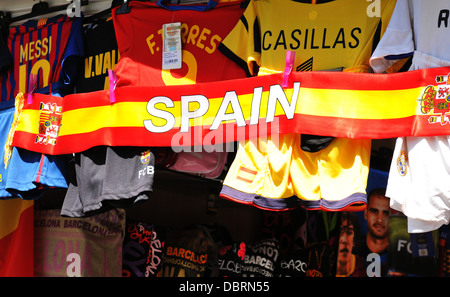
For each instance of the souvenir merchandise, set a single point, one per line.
(371, 229)
(417, 184)
(410, 254)
(105, 175)
(101, 55)
(281, 173)
(16, 238)
(189, 252)
(260, 258)
(51, 70)
(90, 247)
(142, 250)
(144, 52)
(46, 55)
(360, 115)
(225, 145)
(443, 250)
(109, 177)
(140, 34)
(230, 259)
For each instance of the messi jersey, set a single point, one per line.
(139, 38)
(43, 47)
(330, 35)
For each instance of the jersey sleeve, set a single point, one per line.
(397, 42)
(242, 44)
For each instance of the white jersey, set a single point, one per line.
(419, 176)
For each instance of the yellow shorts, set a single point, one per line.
(276, 174)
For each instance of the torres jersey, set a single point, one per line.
(41, 47)
(139, 38)
(327, 35)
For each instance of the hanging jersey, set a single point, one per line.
(273, 174)
(416, 29)
(202, 27)
(189, 252)
(43, 47)
(81, 247)
(5, 55)
(142, 250)
(24, 173)
(101, 54)
(420, 165)
(139, 37)
(109, 177)
(323, 35)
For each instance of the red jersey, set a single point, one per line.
(140, 43)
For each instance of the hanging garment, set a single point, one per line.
(189, 252)
(283, 172)
(98, 185)
(230, 259)
(50, 48)
(261, 258)
(142, 250)
(109, 177)
(16, 238)
(69, 247)
(140, 39)
(101, 55)
(418, 179)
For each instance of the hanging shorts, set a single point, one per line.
(279, 175)
(109, 177)
(28, 174)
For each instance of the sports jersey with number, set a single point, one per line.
(43, 47)
(324, 37)
(50, 48)
(418, 178)
(139, 37)
(101, 54)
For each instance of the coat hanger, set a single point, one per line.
(92, 18)
(41, 8)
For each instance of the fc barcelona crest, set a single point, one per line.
(145, 157)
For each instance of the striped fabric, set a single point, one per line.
(340, 104)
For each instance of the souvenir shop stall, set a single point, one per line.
(231, 138)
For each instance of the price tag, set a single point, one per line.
(171, 57)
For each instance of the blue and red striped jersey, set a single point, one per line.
(45, 48)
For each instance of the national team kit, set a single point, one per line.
(330, 206)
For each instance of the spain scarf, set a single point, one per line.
(339, 104)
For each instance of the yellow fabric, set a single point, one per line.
(324, 38)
